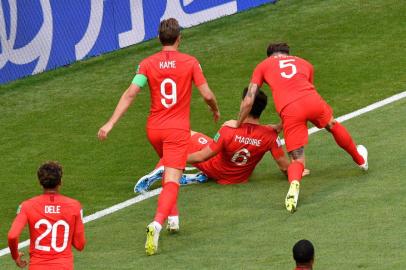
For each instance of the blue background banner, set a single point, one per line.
(38, 35)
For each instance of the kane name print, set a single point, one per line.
(247, 140)
(167, 64)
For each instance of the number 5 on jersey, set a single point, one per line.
(289, 66)
(171, 96)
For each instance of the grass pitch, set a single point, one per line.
(358, 53)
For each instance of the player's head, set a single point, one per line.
(50, 174)
(169, 32)
(277, 48)
(303, 252)
(260, 102)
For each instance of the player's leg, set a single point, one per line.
(145, 182)
(295, 173)
(174, 159)
(296, 136)
(197, 142)
(343, 139)
(166, 202)
(322, 117)
(173, 220)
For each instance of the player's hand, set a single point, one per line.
(104, 131)
(276, 127)
(305, 172)
(231, 123)
(19, 261)
(216, 116)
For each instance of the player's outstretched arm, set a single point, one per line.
(283, 164)
(210, 100)
(245, 106)
(125, 101)
(200, 156)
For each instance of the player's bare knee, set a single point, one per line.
(297, 154)
(172, 174)
(331, 124)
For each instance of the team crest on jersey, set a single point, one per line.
(19, 209)
(216, 138)
(202, 140)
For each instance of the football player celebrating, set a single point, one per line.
(55, 223)
(229, 158)
(170, 75)
(297, 101)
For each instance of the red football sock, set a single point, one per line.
(344, 140)
(174, 211)
(166, 201)
(295, 171)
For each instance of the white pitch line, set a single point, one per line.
(155, 192)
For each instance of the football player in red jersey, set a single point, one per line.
(169, 74)
(297, 102)
(55, 224)
(229, 158)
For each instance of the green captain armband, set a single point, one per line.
(140, 80)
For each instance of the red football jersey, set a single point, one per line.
(170, 75)
(239, 151)
(55, 223)
(289, 78)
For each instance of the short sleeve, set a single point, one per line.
(218, 141)
(198, 76)
(142, 68)
(258, 75)
(22, 210)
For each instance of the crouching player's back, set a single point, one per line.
(239, 151)
(55, 224)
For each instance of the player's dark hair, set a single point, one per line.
(50, 174)
(277, 47)
(169, 31)
(260, 102)
(303, 252)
